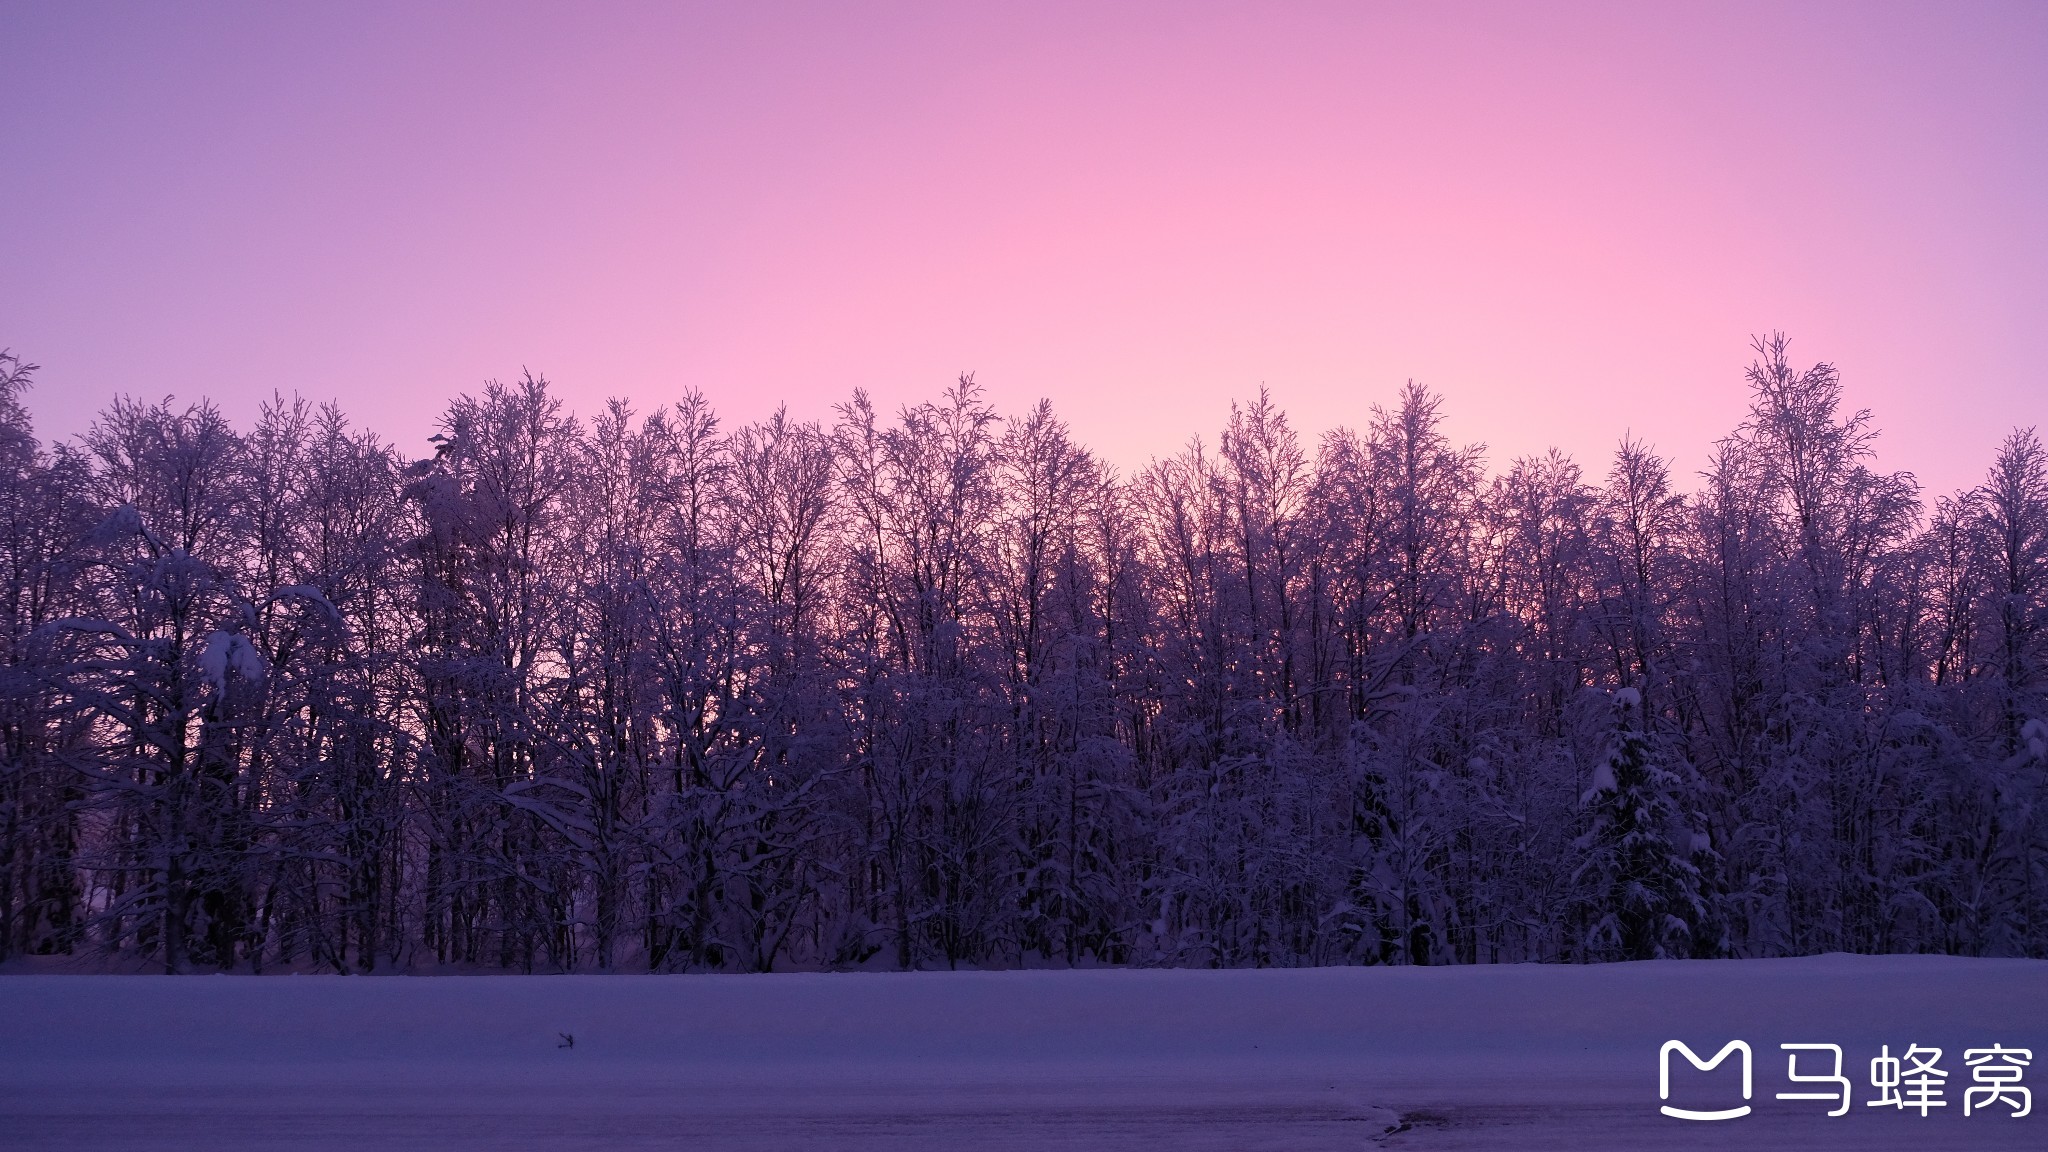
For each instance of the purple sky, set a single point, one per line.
(1569, 219)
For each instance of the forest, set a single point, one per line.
(647, 691)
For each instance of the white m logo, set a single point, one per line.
(1692, 1057)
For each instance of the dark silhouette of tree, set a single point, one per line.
(939, 688)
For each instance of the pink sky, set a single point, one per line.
(1569, 220)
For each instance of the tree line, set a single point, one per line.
(941, 688)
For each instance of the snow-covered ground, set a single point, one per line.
(1522, 1057)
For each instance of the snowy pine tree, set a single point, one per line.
(1644, 888)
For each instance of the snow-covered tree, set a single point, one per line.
(1638, 868)
(938, 687)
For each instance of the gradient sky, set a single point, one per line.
(1568, 219)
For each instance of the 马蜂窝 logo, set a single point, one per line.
(1911, 1081)
(1664, 1078)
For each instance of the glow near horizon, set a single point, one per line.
(1567, 220)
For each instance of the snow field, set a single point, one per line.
(1519, 1056)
